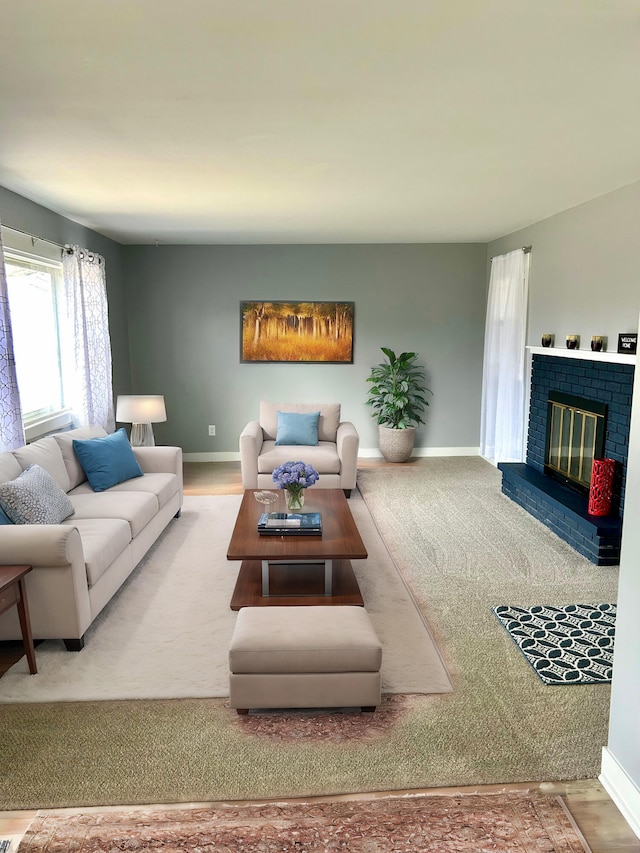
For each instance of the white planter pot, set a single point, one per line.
(396, 445)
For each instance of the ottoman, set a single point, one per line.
(304, 657)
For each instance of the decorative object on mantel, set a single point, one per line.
(628, 343)
(548, 339)
(397, 399)
(598, 343)
(573, 341)
(601, 489)
(610, 356)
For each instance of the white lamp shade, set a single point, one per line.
(141, 409)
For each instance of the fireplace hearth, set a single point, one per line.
(593, 396)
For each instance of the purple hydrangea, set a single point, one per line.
(295, 476)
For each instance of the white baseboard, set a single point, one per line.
(374, 452)
(365, 453)
(621, 789)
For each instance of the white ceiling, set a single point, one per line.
(306, 121)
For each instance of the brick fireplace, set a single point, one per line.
(605, 379)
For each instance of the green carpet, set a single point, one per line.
(463, 548)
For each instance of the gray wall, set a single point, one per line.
(24, 215)
(584, 280)
(584, 269)
(183, 306)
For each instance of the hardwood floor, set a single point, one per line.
(594, 813)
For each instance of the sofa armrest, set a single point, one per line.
(57, 587)
(40, 545)
(251, 439)
(347, 445)
(160, 459)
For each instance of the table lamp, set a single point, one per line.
(141, 410)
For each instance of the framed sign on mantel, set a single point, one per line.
(311, 332)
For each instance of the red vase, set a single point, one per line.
(601, 489)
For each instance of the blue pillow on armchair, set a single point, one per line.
(297, 428)
(107, 460)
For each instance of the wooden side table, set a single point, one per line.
(12, 591)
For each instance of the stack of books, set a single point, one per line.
(290, 524)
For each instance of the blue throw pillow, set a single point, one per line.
(297, 428)
(108, 460)
(4, 518)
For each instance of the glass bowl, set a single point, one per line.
(266, 497)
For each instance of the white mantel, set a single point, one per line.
(586, 354)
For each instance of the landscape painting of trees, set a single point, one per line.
(297, 331)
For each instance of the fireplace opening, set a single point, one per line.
(575, 437)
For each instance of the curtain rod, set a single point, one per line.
(68, 248)
(34, 237)
(525, 249)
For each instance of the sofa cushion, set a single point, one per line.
(163, 486)
(137, 508)
(107, 460)
(324, 457)
(45, 453)
(103, 540)
(64, 441)
(297, 428)
(304, 639)
(10, 468)
(34, 497)
(327, 423)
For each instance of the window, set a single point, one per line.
(35, 285)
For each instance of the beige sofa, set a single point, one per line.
(335, 457)
(79, 564)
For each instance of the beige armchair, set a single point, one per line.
(335, 456)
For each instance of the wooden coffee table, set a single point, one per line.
(297, 570)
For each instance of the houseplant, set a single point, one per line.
(397, 397)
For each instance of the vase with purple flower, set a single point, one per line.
(294, 478)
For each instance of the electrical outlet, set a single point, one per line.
(212, 429)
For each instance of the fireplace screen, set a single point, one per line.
(575, 437)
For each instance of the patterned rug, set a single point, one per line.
(564, 645)
(526, 821)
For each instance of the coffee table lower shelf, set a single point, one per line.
(297, 585)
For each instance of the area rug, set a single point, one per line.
(564, 645)
(166, 634)
(528, 822)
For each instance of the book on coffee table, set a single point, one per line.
(290, 523)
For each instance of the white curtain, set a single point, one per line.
(91, 398)
(502, 429)
(11, 430)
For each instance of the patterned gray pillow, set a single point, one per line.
(34, 497)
